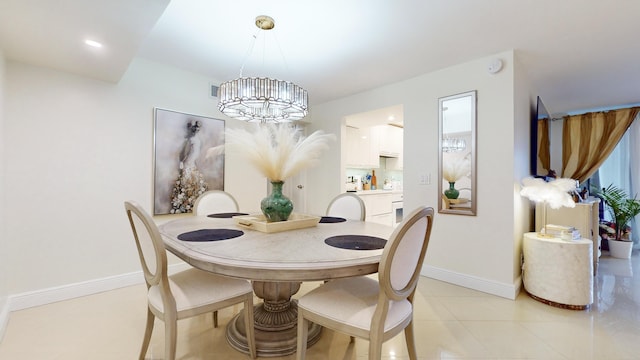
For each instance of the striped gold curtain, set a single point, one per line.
(588, 139)
(544, 155)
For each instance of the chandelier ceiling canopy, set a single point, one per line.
(262, 99)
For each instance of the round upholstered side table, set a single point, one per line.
(558, 272)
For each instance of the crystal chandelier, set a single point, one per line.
(453, 144)
(263, 99)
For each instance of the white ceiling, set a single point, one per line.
(579, 54)
(392, 115)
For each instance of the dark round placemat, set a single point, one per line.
(331, 219)
(356, 242)
(210, 235)
(225, 215)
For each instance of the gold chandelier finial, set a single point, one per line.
(265, 22)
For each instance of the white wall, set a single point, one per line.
(474, 251)
(524, 105)
(76, 149)
(4, 256)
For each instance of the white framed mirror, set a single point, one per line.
(457, 154)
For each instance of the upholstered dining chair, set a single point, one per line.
(348, 205)
(212, 202)
(215, 201)
(374, 310)
(185, 294)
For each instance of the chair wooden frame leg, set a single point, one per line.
(171, 337)
(215, 319)
(303, 333)
(249, 326)
(147, 334)
(410, 340)
(375, 347)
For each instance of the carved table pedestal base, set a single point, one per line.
(276, 321)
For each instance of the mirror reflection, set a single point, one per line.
(457, 115)
(540, 149)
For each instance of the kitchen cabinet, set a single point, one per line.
(394, 163)
(390, 140)
(363, 148)
(378, 205)
(366, 145)
(391, 145)
(353, 156)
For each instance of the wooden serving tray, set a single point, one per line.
(260, 223)
(458, 201)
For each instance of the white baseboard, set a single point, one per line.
(4, 316)
(70, 291)
(509, 291)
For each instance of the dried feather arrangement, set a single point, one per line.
(276, 150)
(455, 168)
(556, 192)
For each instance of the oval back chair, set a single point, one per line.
(215, 201)
(374, 310)
(185, 294)
(348, 205)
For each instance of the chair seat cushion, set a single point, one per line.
(353, 301)
(194, 288)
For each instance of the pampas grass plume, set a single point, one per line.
(275, 149)
(455, 168)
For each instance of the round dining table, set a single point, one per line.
(276, 263)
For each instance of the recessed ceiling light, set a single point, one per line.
(93, 43)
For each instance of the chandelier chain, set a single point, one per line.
(249, 51)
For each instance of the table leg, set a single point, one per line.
(276, 321)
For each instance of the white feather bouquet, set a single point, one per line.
(276, 150)
(455, 168)
(556, 192)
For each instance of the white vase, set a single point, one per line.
(620, 249)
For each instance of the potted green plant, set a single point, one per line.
(622, 209)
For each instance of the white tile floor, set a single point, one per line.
(451, 323)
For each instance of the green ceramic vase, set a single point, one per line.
(451, 192)
(276, 207)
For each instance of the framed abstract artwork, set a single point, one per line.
(181, 169)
